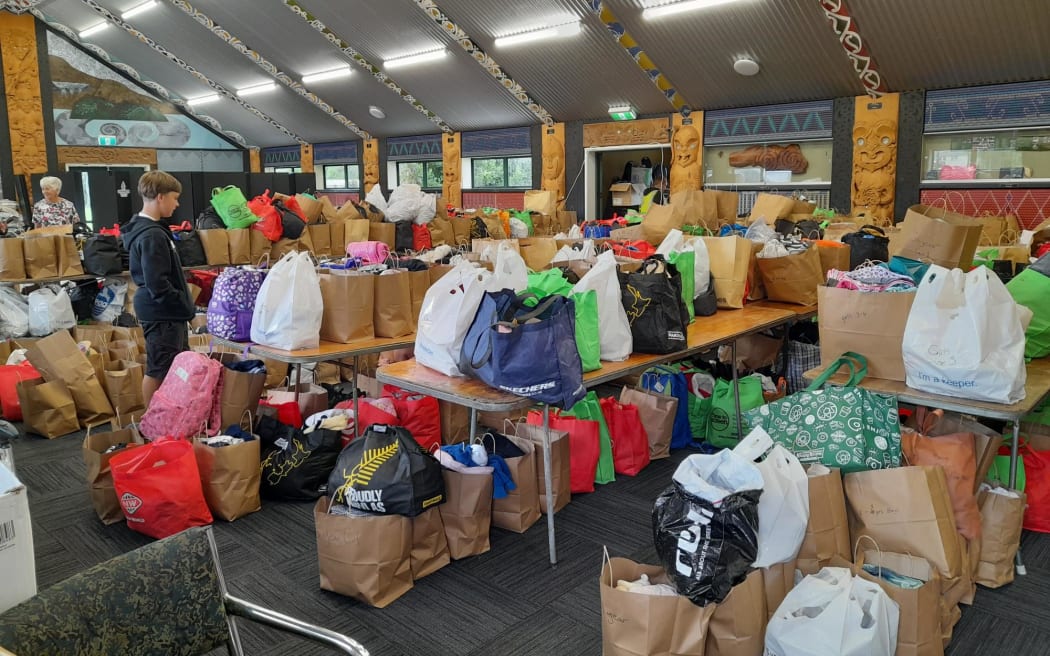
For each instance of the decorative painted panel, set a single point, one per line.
(990, 107)
(282, 156)
(769, 123)
(339, 152)
(422, 147)
(505, 142)
(1030, 206)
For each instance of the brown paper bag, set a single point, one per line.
(833, 255)
(336, 238)
(827, 532)
(836, 231)
(311, 207)
(258, 246)
(932, 234)
(436, 271)
(99, 478)
(123, 382)
(728, 203)
(321, 237)
(240, 244)
(537, 252)
(730, 258)
(429, 546)
(418, 284)
(122, 349)
(312, 398)
(907, 510)
(771, 207)
(455, 422)
(738, 627)
(216, 243)
(467, 512)
(657, 413)
(542, 201)
(696, 208)
(41, 260)
(635, 624)
(348, 212)
(283, 246)
(57, 357)
(12, 259)
(560, 464)
(1001, 518)
(871, 324)
(461, 230)
(67, 256)
(520, 509)
(792, 278)
(392, 308)
(756, 289)
(659, 221)
(47, 407)
(241, 390)
(777, 581)
(441, 232)
(348, 306)
(565, 220)
(367, 558)
(919, 631)
(384, 232)
(230, 478)
(354, 231)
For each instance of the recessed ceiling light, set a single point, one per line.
(342, 71)
(258, 88)
(746, 66)
(138, 9)
(203, 100)
(376, 111)
(660, 11)
(563, 30)
(94, 29)
(417, 58)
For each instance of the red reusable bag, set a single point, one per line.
(10, 375)
(637, 250)
(630, 442)
(421, 240)
(289, 413)
(419, 414)
(159, 488)
(584, 447)
(372, 412)
(1037, 487)
(269, 222)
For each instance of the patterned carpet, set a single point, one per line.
(509, 601)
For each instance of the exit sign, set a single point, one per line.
(107, 140)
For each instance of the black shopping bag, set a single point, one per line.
(652, 298)
(296, 465)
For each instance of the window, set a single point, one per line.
(342, 176)
(501, 172)
(282, 169)
(424, 174)
(987, 155)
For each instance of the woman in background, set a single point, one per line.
(53, 210)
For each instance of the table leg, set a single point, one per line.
(1018, 563)
(298, 379)
(736, 394)
(547, 478)
(353, 383)
(473, 424)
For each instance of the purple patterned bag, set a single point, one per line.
(233, 302)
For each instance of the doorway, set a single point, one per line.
(110, 193)
(605, 165)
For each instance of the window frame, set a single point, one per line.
(506, 173)
(426, 164)
(347, 178)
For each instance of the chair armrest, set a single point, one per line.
(262, 615)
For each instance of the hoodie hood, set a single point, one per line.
(139, 226)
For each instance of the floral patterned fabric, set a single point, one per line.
(164, 598)
(52, 214)
(233, 303)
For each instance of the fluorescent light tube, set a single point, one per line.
(258, 88)
(203, 100)
(419, 58)
(660, 11)
(564, 30)
(328, 75)
(94, 29)
(138, 9)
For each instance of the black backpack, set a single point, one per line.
(103, 255)
(209, 220)
(189, 247)
(868, 243)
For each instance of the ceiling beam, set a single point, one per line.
(484, 60)
(845, 27)
(361, 61)
(175, 59)
(619, 32)
(260, 61)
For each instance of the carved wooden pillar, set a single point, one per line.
(451, 168)
(306, 158)
(687, 152)
(370, 159)
(553, 152)
(25, 110)
(254, 160)
(875, 156)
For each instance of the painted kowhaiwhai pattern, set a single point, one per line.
(268, 66)
(360, 60)
(482, 58)
(160, 91)
(175, 59)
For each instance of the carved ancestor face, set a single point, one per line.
(875, 144)
(371, 171)
(686, 146)
(553, 158)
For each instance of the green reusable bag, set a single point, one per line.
(547, 282)
(721, 428)
(1032, 289)
(589, 408)
(232, 207)
(847, 427)
(699, 414)
(684, 261)
(587, 342)
(1000, 472)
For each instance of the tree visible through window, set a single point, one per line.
(502, 172)
(342, 176)
(425, 174)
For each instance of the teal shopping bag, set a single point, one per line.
(589, 408)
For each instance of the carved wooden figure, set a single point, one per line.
(25, 113)
(306, 158)
(451, 168)
(685, 159)
(875, 156)
(370, 159)
(554, 160)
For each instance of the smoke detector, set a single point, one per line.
(746, 66)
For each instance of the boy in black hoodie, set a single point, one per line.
(162, 300)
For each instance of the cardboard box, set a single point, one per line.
(16, 542)
(626, 193)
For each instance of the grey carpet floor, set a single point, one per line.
(509, 601)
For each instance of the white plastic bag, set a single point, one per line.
(964, 337)
(376, 198)
(289, 305)
(701, 265)
(510, 271)
(448, 310)
(614, 330)
(14, 313)
(427, 209)
(567, 253)
(518, 229)
(50, 310)
(404, 204)
(833, 613)
(783, 508)
(760, 232)
(110, 300)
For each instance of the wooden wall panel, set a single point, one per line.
(255, 160)
(553, 153)
(626, 133)
(875, 156)
(110, 156)
(451, 168)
